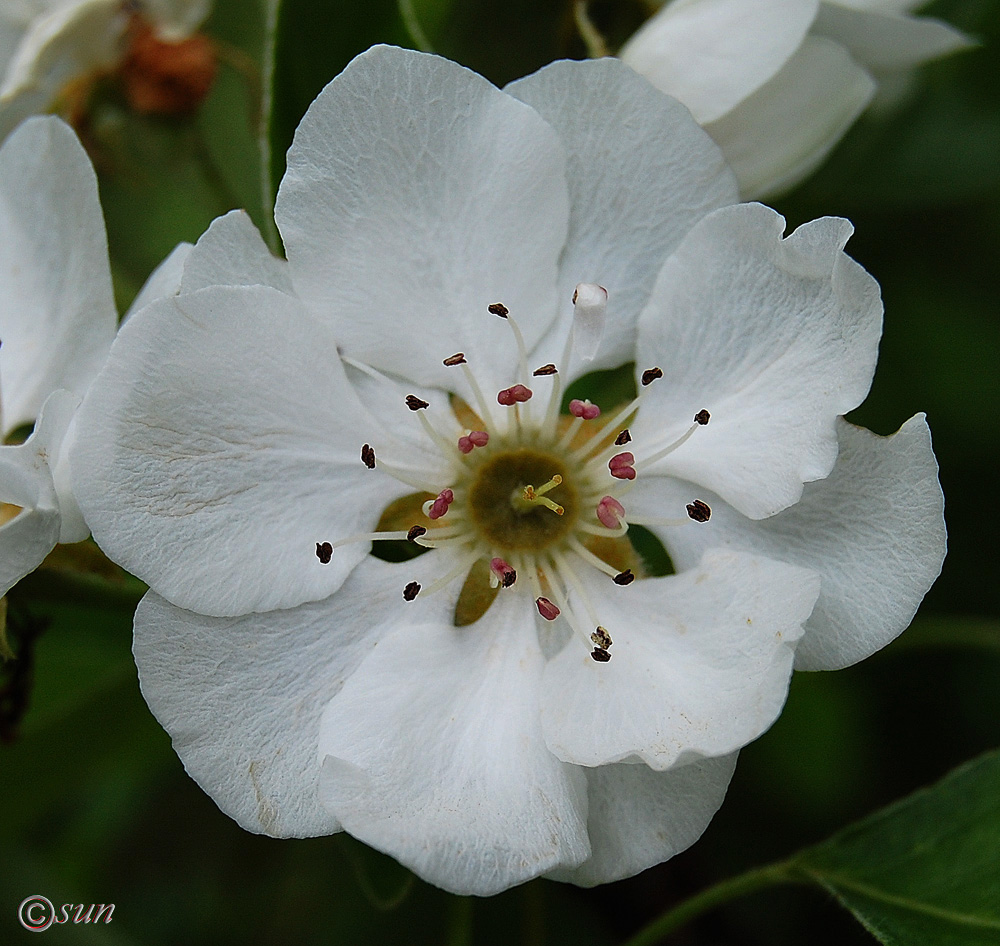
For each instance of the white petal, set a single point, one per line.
(781, 133)
(63, 43)
(231, 252)
(775, 338)
(26, 481)
(434, 754)
(639, 817)
(886, 42)
(164, 281)
(58, 313)
(699, 664)
(416, 195)
(873, 529)
(712, 54)
(641, 173)
(242, 697)
(219, 445)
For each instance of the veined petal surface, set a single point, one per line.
(416, 195)
(774, 337)
(222, 440)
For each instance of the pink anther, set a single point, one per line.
(440, 505)
(504, 573)
(609, 512)
(546, 609)
(475, 438)
(584, 409)
(622, 466)
(517, 394)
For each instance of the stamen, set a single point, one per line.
(457, 359)
(623, 438)
(414, 403)
(610, 512)
(596, 445)
(601, 656)
(411, 591)
(590, 557)
(477, 393)
(443, 442)
(650, 375)
(362, 537)
(547, 609)
(702, 417)
(602, 638)
(475, 438)
(624, 578)
(501, 573)
(415, 533)
(463, 566)
(544, 370)
(368, 456)
(584, 409)
(669, 448)
(498, 308)
(699, 511)
(622, 466)
(324, 552)
(517, 394)
(437, 507)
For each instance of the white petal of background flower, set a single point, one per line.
(223, 441)
(774, 337)
(784, 130)
(58, 313)
(712, 54)
(874, 530)
(26, 481)
(633, 155)
(433, 752)
(700, 664)
(638, 817)
(242, 697)
(416, 195)
(886, 42)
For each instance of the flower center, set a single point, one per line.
(531, 501)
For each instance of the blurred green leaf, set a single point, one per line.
(925, 871)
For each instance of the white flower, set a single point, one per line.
(57, 321)
(247, 436)
(777, 83)
(46, 45)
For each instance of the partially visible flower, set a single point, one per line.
(777, 83)
(523, 699)
(52, 50)
(57, 322)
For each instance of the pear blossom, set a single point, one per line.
(521, 699)
(57, 322)
(777, 83)
(47, 47)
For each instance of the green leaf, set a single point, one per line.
(926, 870)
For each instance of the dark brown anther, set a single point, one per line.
(414, 403)
(623, 438)
(498, 308)
(411, 591)
(702, 417)
(508, 578)
(699, 511)
(601, 637)
(650, 375)
(601, 656)
(544, 370)
(324, 552)
(457, 359)
(368, 456)
(415, 533)
(624, 578)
